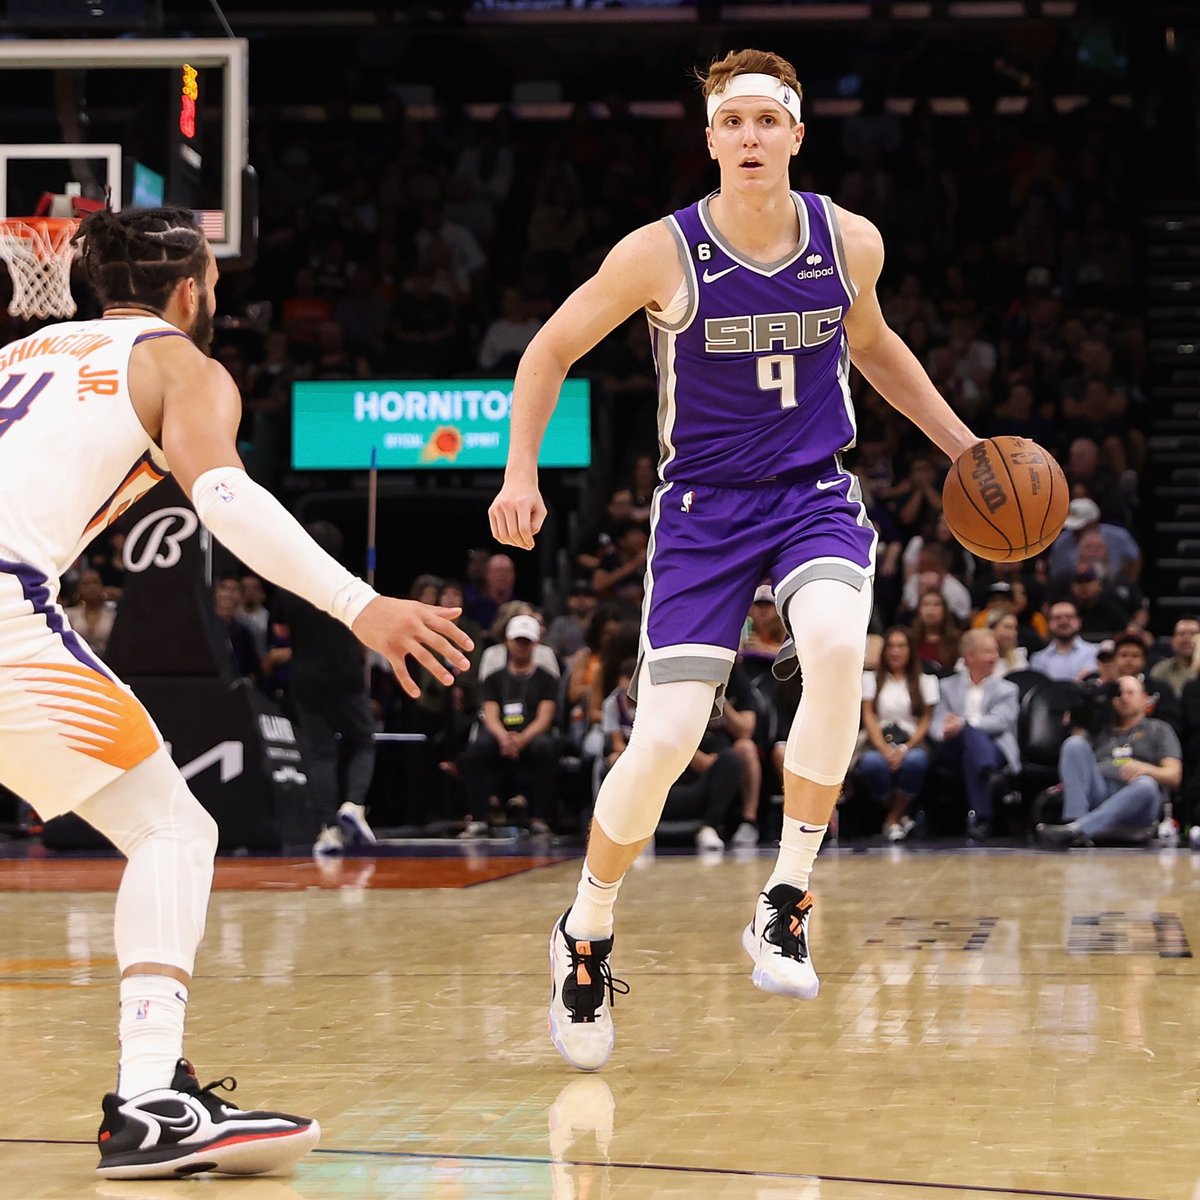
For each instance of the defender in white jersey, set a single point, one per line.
(92, 415)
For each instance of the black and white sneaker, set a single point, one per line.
(777, 940)
(185, 1129)
(582, 989)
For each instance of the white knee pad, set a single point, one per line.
(151, 816)
(667, 727)
(828, 620)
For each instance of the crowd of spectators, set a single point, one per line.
(440, 250)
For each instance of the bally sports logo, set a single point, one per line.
(994, 496)
(156, 540)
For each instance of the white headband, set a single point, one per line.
(756, 85)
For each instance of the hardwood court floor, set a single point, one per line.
(989, 1025)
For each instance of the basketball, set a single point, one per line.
(1005, 499)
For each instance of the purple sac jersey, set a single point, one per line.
(754, 411)
(752, 361)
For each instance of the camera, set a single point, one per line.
(1093, 709)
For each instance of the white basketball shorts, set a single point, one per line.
(68, 726)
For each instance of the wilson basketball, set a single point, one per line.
(1005, 499)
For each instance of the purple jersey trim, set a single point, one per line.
(36, 589)
(157, 333)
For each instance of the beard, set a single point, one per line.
(201, 331)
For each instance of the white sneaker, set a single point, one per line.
(777, 940)
(707, 838)
(330, 840)
(473, 829)
(582, 990)
(353, 820)
(746, 834)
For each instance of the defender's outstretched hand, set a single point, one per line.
(397, 628)
(517, 514)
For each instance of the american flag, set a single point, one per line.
(211, 222)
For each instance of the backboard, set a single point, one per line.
(155, 120)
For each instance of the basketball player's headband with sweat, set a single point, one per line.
(750, 84)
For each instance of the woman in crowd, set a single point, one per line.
(898, 702)
(935, 632)
(1004, 626)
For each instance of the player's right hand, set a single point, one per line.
(517, 514)
(399, 628)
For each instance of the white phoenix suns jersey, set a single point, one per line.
(73, 454)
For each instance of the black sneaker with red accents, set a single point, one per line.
(186, 1129)
(582, 989)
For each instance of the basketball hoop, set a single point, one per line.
(39, 253)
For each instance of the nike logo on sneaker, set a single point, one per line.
(183, 1125)
(713, 276)
(823, 485)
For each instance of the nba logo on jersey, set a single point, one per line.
(686, 505)
(143, 1010)
(224, 492)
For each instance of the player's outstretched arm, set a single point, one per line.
(200, 413)
(636, 270)
(887, 364)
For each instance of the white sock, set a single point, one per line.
(151, 1031)
(798, 848)
(591, 916)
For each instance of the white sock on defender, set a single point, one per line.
(151, 1031)
(798, 848)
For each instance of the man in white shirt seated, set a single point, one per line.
(976, 724)
(1067, 656)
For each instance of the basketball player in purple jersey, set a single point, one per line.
(758, 299)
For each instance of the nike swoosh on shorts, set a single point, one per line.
(823, 485)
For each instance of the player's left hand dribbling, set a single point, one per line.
(403, 628)
(517, 514)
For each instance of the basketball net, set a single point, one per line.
(39, 254)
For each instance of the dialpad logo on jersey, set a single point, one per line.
(814, 260)
(686, 501)
(156, 539)
(767, 333)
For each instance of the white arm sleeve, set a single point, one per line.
(248, 521)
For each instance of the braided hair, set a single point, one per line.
(138, 255)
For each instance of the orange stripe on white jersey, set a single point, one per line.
(133, 487)
(99, 718)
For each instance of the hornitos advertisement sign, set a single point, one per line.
(337, 424)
